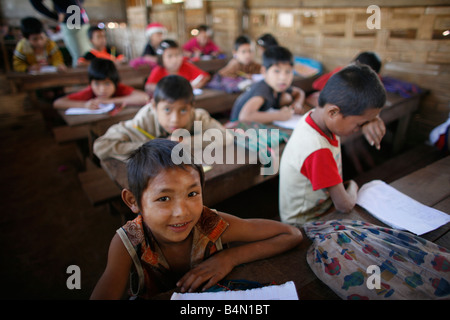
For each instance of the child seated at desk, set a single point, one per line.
(104, 88)
(201, 44)
(369, 58)
(36, 50)
(238, 72)
(175, 241)
(155, 33)
(171, 61)
(311, 168)
(100, 48)
(171, 108)
(273, 92)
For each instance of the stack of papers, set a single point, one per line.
(103, 108)
(285, 291)
(399, 211)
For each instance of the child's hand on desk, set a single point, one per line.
(351, 186)
(94, 103)
(374, 131)
(285, 113)
(209, 272)
(62, 68)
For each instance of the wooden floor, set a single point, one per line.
(47, 222)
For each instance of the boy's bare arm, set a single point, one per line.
(136, 98)
(113, 282)
(249, 112)
(374, 132)
(265, 238)
(298, 96)
(344, 199)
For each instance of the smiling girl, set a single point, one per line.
(175, 241)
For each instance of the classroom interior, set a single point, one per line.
(49, 222)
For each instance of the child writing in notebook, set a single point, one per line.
(104, 88)
(171, 108)
(100, 48)
(273, 92)
(310, 168)
(238, 73)
(175, 241)
(171, 61)
(36, 50)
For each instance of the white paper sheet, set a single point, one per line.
(285, 291)
(103, 108)
(289, 124)
(398, 210)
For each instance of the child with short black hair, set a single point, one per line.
(238, 74)
(104, 87)
(171, 61)
(311, 168)
(366, 57)
(36, 50)
(171, 108)
(242, 63)
(175, 241)
(201, 44)
(100, 49)
(274, 92)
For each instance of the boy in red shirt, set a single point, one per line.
(171, 61)
(104, 87)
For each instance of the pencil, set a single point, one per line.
(145, 133)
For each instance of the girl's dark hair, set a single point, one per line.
(276, 54)
(146, 162)
(102, 69)
(165, 44)
(267, 40)
(369, 58)
(30, 26)
(93, 29)
(172, 88)
(354, 89)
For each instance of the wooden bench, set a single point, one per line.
(98, 186)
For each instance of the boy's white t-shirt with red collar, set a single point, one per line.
(310, 163)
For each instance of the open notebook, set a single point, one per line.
(103, 108)
(397, 210)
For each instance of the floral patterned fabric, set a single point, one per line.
(347, 254)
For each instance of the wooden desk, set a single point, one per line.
(22, 81)
(76, 120)
(211, 65)
(73, 76)
(430, 185)
(215, 101)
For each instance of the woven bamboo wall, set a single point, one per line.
(410, 43)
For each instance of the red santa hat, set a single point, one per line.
(153, 28)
